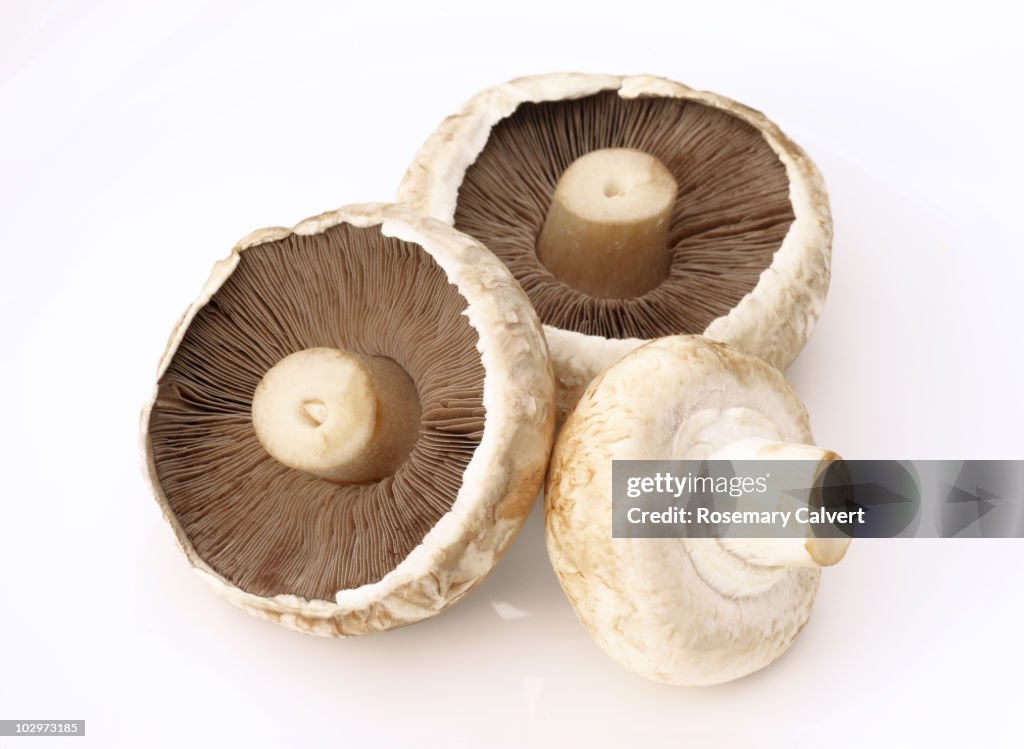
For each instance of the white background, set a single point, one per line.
(138, 141)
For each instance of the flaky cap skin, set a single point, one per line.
(774, 320)
(500, 482)
(643, 599)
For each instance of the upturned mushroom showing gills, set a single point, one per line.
(680, 610)
(631, 208)
(352, 421)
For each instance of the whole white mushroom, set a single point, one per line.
(677, 610)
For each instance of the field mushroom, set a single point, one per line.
(631, 208)
(688, 611)
(352, 421)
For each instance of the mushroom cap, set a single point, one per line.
(773, 319)
(647, 601)
(501, 479)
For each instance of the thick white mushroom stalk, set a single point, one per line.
(747, 566)
(344, 417)
(683, 611)
(606, 231)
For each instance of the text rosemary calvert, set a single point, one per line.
(734, 486)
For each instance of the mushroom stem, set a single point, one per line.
(345, 417)
(810, 551)
(606, 231)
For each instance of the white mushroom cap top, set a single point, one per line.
(352, 421)
(683, 611)
(742, 255)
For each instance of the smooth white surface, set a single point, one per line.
(139, 141)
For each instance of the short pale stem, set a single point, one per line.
(345, 417)
(606, 231)
(810, 551)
